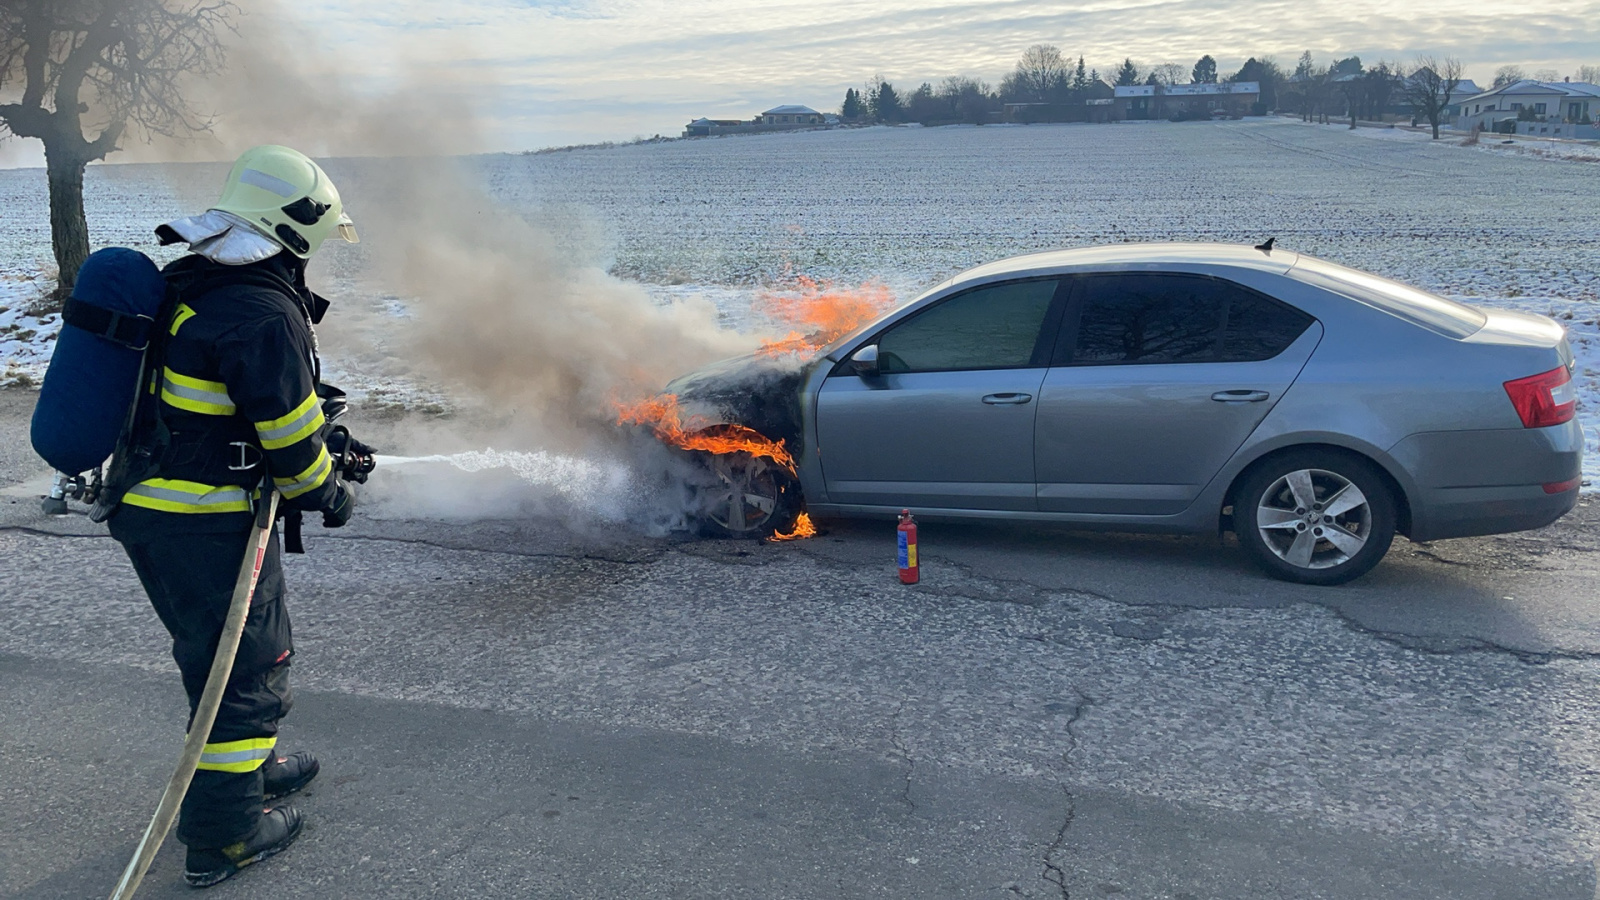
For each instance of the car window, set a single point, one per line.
(992, 327)
(1148, 318)
(1418, 307)
(1258, 327)
(1154, 318)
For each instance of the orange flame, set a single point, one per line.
(820, 312)
(662, 416)
(803, 528)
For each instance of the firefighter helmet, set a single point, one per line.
(287, 197)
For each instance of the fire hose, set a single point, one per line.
(205, 714)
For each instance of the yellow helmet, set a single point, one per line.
(287, 197)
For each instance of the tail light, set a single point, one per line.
(1544, 399)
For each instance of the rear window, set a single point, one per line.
(1418, 307)
(1153, 318)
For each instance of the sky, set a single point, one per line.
(540, 74)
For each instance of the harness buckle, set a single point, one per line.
(245, 462)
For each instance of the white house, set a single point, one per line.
(1545, 106)
(791, 116)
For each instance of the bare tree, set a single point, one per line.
(1508, 75)
(1312, 86)
(969, 99)
(76, 68)
(1547, 75)
(1430, 86)
(1587, 75)
(1040, 76)
(1171, 73)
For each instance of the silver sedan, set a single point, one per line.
(1313, 409)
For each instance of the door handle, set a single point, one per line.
(1012, 399)
(1243, 396)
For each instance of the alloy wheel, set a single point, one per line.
(1314, 518)
(746, 495)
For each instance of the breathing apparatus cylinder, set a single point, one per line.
(94, 369)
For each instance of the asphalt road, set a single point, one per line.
(528, 708)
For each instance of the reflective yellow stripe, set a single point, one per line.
(181, 316)
(296, 426)
(237, 756)
(311, 478)
(172, 495)
(196, 395)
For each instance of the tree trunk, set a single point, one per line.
(69, 230)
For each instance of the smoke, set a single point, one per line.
(510, 314)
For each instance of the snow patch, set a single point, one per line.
(25, 340)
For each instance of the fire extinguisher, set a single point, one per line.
(908, 547)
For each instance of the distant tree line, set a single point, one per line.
(1043, 75)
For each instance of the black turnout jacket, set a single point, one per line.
(237, 390)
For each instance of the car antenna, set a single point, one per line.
(1266, 246)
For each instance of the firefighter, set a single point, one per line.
(238, 408)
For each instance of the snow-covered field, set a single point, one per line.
(1498, 225)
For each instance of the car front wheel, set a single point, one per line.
(1315, 517)
(745, 496)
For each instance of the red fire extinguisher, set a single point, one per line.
(908, 547)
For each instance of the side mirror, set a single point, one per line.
(864, 362)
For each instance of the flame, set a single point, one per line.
(803, 528)
(662, 415)
(817, 313)
(821, 312)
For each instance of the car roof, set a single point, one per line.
(1158, 255)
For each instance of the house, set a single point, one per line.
(1184, 101)
(1090, 103)
(1568, 109)
(703, 127)
(790, 117)
(1466, 88)
(1400, 99)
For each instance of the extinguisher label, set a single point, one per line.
(908, 552)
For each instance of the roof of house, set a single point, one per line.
(791, 110)
(1529, 86)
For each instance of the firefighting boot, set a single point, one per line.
(283, 775)
(278, 829)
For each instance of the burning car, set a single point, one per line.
(1313, 409)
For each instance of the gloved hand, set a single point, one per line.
(338, 510)
(352, 457)
(340, 440)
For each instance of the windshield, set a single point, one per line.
(1418, 307)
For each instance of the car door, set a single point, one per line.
(947, 422)
(1156, 381)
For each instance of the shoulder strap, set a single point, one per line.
(144, 435)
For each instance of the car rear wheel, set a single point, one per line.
(1315, 517)
(745, 496)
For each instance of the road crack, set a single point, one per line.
(899, 744)
(1054, 872)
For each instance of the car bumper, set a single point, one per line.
(1490, 482)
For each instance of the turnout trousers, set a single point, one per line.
(190, 579)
